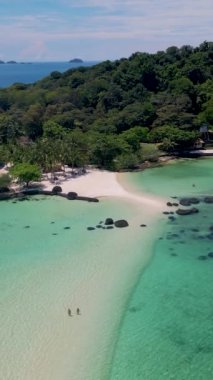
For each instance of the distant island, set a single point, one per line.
(13, 62)
(76, 60)
(1, 62)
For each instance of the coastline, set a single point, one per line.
(148, 209)
(87, 348)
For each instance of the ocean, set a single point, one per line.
(145, 294)
(31, 72)
(167, 330)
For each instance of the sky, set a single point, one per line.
(59, 30)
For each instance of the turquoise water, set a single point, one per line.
(167, 330)
(184, 177)
(152, 324)
(49, 261)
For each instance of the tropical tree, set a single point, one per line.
(26, 172)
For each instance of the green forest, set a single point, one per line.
(115, 115)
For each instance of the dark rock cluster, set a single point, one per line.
(57, 190)
(109, 224)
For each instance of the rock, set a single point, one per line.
(90, 228)
(67, 228)
(210, 254)
(190, 211)
(72, 195)
(210, 236)
(109, 227)
(4, 189)
(121, 223)
(6, 196)
(99, 226)
(56, 189)
(143, 225)
(189, 201)
(109, 222)
(208, 199)
(211, 228)
(166, 212)
(87, 199)
(172, 218)
(169, 204)
(202, 257)
(26, 226)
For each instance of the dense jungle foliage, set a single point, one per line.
(106, 114)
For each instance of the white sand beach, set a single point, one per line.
(101, 284)
(102, 183)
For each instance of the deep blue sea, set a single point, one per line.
(31, 72)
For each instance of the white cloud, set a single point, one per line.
(140, 24)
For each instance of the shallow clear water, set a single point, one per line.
(45, 268)
(167, 330)
(184, 177)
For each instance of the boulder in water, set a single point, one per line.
(208, 199)
(202, 257)
(121, 223)
(109, 222)
(189, 211)
(189, 201)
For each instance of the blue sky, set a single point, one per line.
(42, 30)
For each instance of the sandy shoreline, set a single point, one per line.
(101, 184)
(86, 346)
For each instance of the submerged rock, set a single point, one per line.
(67, 228)
(189, 211)
(202, 257)
(210, 254)
(172, 218)
(189, 201)
(208, 199)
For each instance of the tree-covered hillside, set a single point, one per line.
(103, 113)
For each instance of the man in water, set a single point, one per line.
(69, 312)
(78, 311)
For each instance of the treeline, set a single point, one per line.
(103, 114)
